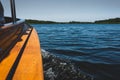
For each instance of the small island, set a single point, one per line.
(107, 21)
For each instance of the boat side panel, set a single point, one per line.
(8, 38)
(6, 63)
(30, 66)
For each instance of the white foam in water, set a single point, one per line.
(60, 69)
(50, 74)
(45, 54)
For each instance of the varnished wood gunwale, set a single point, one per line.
(6, 63)
(9, 35)
(30, 65)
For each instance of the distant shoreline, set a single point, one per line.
(106, 21)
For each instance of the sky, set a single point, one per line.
(65, 10)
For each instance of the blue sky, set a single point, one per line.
(65, 10)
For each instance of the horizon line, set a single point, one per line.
(72, 20)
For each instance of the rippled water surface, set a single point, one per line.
(93, 46)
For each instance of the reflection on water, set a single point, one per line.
(93, 47)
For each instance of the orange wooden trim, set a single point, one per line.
(6, 64)
(30, 66)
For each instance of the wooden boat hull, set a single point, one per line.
(23, 61)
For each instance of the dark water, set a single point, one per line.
(95, 48)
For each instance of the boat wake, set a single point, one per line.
(56, 68)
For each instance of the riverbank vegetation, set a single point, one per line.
(107, 21)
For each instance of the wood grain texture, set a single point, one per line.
(30, 66)
(7, 63)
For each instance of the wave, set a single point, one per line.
(68, 52)
(56, 68)
(93, 55)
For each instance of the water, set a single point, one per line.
(95, 48)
